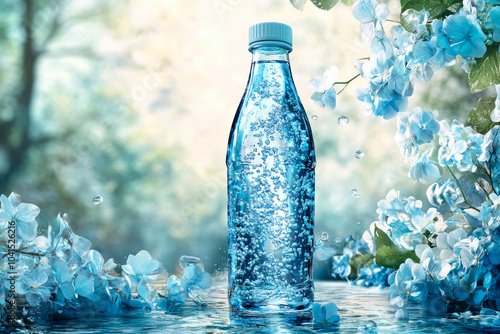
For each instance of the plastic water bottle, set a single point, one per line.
(270, 161)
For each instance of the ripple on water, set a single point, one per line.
(361, 310)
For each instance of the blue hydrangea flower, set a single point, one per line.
(424, 170)
(340, 267)
(389, 81)
(145, 290)
(325, 314)
(23, 214)
(490, 142)
(445, 195)
(389, 206)
(405, 140)
(434, 269)
(465, 35)
(324, 94)
(470, 250)
(98, 267)
(141, 266)
(452, 152)
(84, 283)
(195, 278)
(32, 284)
(468, 289)
(423, 52)
(373, 275)
(380, 43)
(173, 294)
(371, 14)
(441, 42)
(403, 42)
(423, 125)
(63, 276)
(407, 283)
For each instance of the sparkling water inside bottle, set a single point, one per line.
(271, 165)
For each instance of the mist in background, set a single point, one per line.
(133, 100)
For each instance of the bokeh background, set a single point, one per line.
(133, 100)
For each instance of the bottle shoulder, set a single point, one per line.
(271, 124)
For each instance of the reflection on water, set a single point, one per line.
(361, 310)
(271, 323)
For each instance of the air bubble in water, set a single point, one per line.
(355, 193)
(343, 120)
(338, 240)
(359, 154)
(187, 260)
(314, 117)
(97, 200)
(324, 236)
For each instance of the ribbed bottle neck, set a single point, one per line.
(270, 54)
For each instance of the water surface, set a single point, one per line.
(361, 310)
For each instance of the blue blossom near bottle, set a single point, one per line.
(271, 162)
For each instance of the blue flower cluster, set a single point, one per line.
(418, 50)
(60, 271)
(457, 240)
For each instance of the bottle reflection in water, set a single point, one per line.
(271, 161)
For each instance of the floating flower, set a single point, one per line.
(195, 278)
(325, 314)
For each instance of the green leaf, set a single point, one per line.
(348, 2)
(388, 254)
(359, 261)
(325, 4)
(479, 117)
(436, 8)
(486, 71)
(299, 4)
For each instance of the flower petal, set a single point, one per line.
(27, 212)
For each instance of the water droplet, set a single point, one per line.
(368, 327)
(97, 200)
(338, 240)
(343, 120)
(187, 260)
(355, 193)
(314, 117)
(359, 154)
(324, 236)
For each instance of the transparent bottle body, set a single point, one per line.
(271, 161)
